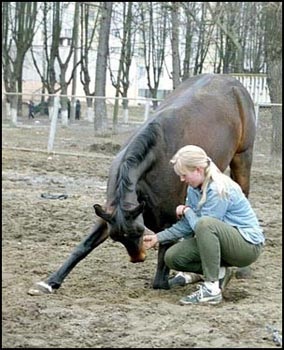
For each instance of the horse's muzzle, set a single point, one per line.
(139, 257)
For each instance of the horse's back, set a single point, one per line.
(212, 111)
(201, 87)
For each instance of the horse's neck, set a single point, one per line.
(128, 197)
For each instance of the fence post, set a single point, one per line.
(147, 109)
(14, 109)
(53, 125)
(256, 108)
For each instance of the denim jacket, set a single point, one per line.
(234, 210)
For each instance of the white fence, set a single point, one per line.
(256, 84)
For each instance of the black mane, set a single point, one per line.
(135, 153)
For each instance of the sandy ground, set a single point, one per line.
(107, 302)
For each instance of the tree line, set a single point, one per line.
(239, 37)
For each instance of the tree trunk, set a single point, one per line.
(175, 44)
(75, 59)
(273, 53)
(101, 122)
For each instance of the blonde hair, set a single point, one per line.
(189, 158)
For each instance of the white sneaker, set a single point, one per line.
(203, 295)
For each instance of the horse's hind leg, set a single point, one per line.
(240, 169)
(98, 235)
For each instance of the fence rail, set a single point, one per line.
(268, 115)
(144, 103)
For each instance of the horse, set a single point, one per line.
(213, 111)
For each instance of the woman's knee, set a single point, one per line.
(203, 224)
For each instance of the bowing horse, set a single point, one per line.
(212, 111)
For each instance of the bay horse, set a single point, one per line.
(212, 111)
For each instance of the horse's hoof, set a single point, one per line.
(243, 273)
(40, 289)
(164, 285)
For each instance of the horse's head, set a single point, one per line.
(127, 227)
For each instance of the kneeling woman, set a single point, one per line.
(217, 228)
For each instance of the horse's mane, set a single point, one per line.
(135, 153)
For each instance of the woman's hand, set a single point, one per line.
(150, 241)
(180, 210)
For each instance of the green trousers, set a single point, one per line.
(214, 244)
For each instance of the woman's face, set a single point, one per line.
(193, 178)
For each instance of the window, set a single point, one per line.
(115, 33)
(68, 33)
(65, 42)
(114, 49)
(141, 72)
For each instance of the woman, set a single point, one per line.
(217, 223)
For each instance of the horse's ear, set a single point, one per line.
(137, 211)
(101, 213)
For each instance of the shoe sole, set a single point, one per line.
(213, 302)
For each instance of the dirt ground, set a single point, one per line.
(106, 301)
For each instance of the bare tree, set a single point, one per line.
(51, 37)
(53, 75)
(251, 38)
(65, 61)
(238, 37)
(188, 7)
(199, 33)
(75, 42)
(233, 48)
(225, 16)
(154, 28)
(273, 58)
(205, 31)
(18, 24)
(127, 40)
(237, 30)
(89, 23)
(175, 6)
(101, 121)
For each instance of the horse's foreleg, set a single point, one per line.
(98, 235)
(162, 272)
